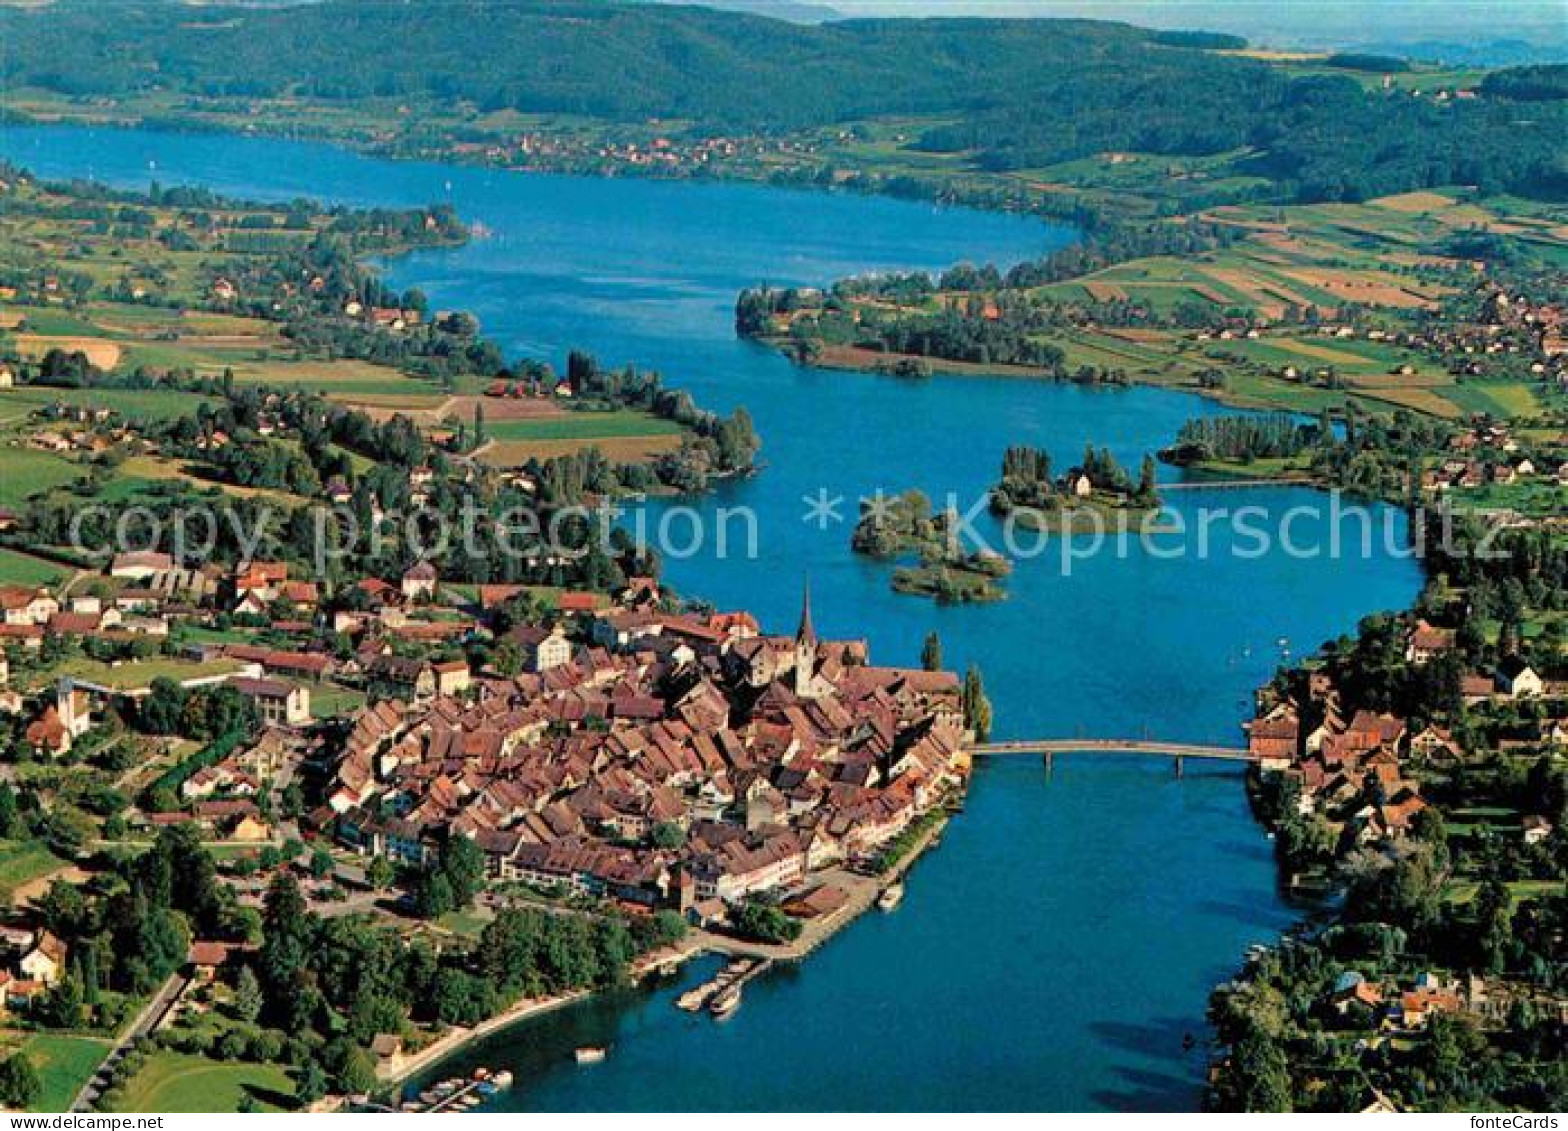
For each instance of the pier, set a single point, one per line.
(728, 981)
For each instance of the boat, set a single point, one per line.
(891, 897)
(502, 1079)
(725, 1003)
(590, 1054)
(692, 1000)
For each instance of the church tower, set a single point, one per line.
(805, 646)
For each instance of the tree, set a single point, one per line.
(463, 865)
(977, 707)
(433, 894)
(310, 1082)
(357, 1076)
(20, 1086)
(321, 863)
(1494, 925)
(1260, 1075)
(765, 923)
(931, 653)
(380, 873)
(1145, 492)
(12, 824)
(247, 995)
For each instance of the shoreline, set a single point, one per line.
(458, 1038)
(699, 943)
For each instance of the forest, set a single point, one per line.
(1018, 93)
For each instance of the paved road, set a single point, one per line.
(146, 1021)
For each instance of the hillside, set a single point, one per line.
(1007, 95)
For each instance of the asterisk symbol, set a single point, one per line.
(822, 508)
(878, 508)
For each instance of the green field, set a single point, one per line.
(141, 673)
(583, 426)
(63, 1064)
(133, 404)
(329, 700)
(26, 471)
(178, 1082)
(17, 568)
(22, 862)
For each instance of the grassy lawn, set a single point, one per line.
(63, 1064)
(329, 700)
(133, 404)
(25, 472)
(141, 673)
(17, 568)
(177, 1082)
(583, 426)
(467, 923)
(22, 862)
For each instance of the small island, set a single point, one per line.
(900, 526)
(1095, 495)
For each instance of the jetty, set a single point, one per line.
(724, 987)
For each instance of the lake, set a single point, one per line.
(1056, 947)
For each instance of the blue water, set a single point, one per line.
(1055, 948)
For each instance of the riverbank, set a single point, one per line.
(861, 891)
(458, 1038)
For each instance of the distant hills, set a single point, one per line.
(1012, 94)
(791, 11)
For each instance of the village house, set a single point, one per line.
(280, 703)
(543, 649)
(419, 582)
(139, 565)
(45, 961)
(452, 677)
(1423, 643)
(1518, 680)
(402, 676)
(25, 606)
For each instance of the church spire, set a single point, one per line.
(806, 634)
(805, 648)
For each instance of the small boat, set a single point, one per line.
(502, 1079)
(891, 897)
(725, 1003)
(692, 1000)
(590, 1054)
(481, 1073)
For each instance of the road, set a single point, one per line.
(146, 1021)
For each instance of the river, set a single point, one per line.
(1056, 947)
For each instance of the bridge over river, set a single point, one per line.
(1178, 751)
